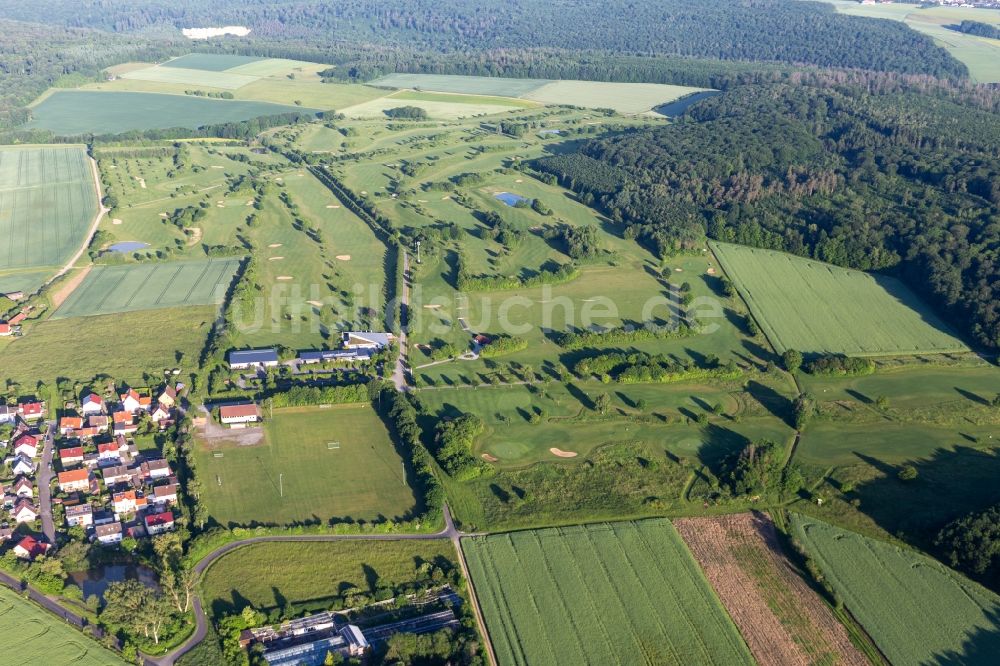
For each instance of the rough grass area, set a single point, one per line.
(269, 575)
(469, 85)
(211, 62)
(121, 345)
(294, 476)
(38, 637)
(110, 289)
(618, 593)
(810, 306)
(626, 98)
(74, 112)
(917, 610)
(47, 204)
(782, 619)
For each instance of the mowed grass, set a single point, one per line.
(123, 345)
(814, 307)
(628, 98)
(295, 475)
(618, 593)
(39, 637)
(268, 575)
(74, 112)
(110, 289)
(915, 609)
(47, 204)
(469, 85)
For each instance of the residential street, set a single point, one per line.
(45, 484)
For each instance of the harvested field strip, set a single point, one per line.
(917, 610)
(130, 287)
(621, 593)
(781, 618)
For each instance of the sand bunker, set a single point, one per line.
(275, 258)
(488, 458)
(333, 206)
(195, 236)
(710, 271)
(219, 206)
(315, 304)
(433, 306)
(163, 215)
(275, 245)
(562, 454)
(251, 202)
(344, 257)
(216, 166)
(678, 270)
(142, 182)
(519, 180)
(285, 277)
(116, 221)
(445, 198)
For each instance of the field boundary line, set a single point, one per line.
(101, 212)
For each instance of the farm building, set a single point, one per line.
(75, 480)
(366, 340)
(253, 358)
(239, 415)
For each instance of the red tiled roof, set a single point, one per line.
(72, 422)
(74, 475)
(164, 518)
(33, 546)
(104, 448)
(237, 411)
(31, 407)
(123, 417)
(4, 327)
(94, 398)
(71, 452)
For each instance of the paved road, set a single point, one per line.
(45, 484)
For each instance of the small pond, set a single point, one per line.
(96, 581)
(511, 199)
(128, 246)
(677, 107)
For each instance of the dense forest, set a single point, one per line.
(787, 31)
(902, 182)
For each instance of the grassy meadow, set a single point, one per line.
(269, 575)
(914, 608)
(618, 593)
(47, 205)
(466, 85)
(363, 479)
(814, 307)
(110, 289)
(39, 637)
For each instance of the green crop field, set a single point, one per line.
(915, 609)
(810, 306)
(268, 575)
(462, 99)
(626, 98)
(211, 62)
(618, 593)
(38, 637)
(191, 77)
(47, 204)
(110, 289)
(469, 85)
(73, 112)
(81, 348)
(436, 108)
(294, 475)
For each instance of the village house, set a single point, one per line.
(108, 452)
(29, 548)
(75, 480)
(253, 358)
(92, 405)
(124, 423)
(131, 401)
(21, 465)
(6, 532)
(81, 514)
(167, 397)
(8, 414)
(127, 502)
(119, 474)
(68, 424)
(108, 534)
(165, 495)
(31, 411)
(23, 487)
(26, 445)
(6, 329)
(158, 523)
(154, 469)
(24, 511)
(160, 416)
(99, 422)
(239, 415)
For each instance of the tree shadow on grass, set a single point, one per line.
(718, 444)
(777, 404)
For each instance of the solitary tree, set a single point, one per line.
(602, 402)
(792, 360)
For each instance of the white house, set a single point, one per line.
(23, 487)
(75, 480)
(158, 523)
(366, 340)
(165, 494)
(81, 514)
(22, 465)
(109, 533)
(239, 414)
(167, 397)
(26, 445)
(24, 511)
(108, 452)
(118, 474)
(160, 414)
(130, 401)
(92, 405)
(29, 548)
(68, 424)
(8, 414)
(128, 502)
(155, 469)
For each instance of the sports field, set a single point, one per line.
(268, 575)
(47, 204)
(917, 610)
(810, 306)
(614, 593)
(314, 464)
(38, 637)
(73, 112)
(110, 289)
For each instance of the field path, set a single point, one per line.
(101, 212)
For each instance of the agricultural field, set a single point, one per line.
(269, 575)
(48, 202)
(150, 286)
(445, 109)
(67, 348)
(36, 636)
(211, 62)
(191, 77)
(467, 85)
(314, 465)
(814, 307)
(75, 112)
(914, 608)
(625, 98)
(782, 619)
(617, 593)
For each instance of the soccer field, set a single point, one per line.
(111, 289)
(614, 593)
(314, 464)
(47, 204)
(811, 306)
